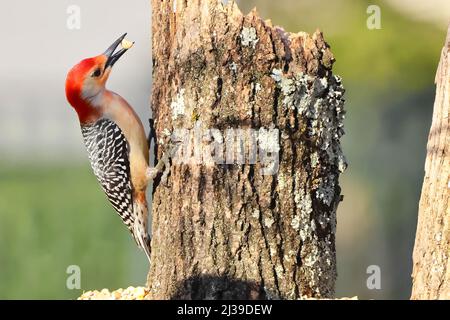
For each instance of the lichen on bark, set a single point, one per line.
(224, 230)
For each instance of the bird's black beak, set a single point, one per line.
(113, 57)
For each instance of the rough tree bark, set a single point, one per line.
(431, 263)
(233, 230)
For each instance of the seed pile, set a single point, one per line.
(142, 293)
(130, 293)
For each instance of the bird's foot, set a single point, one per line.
(162, 165)
(165, 174)
(151, 173)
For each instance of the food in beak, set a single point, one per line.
(126, 44)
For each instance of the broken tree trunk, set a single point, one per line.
(431, 261)
(248, 210)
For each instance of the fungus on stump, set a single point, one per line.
(243, 227)
(431, 258)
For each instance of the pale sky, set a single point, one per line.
(434, 11)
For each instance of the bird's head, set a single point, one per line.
(85, 82)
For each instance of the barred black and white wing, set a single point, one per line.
(108, 153)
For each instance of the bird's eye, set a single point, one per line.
(97, 73)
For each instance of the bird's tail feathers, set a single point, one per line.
(139, 229)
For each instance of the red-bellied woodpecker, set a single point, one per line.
(115, 139)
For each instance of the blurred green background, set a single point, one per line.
(53, 213)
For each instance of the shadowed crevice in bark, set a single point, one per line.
(207, 287)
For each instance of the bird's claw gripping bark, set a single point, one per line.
(151, 173)
(163, 166)
(163, 163)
